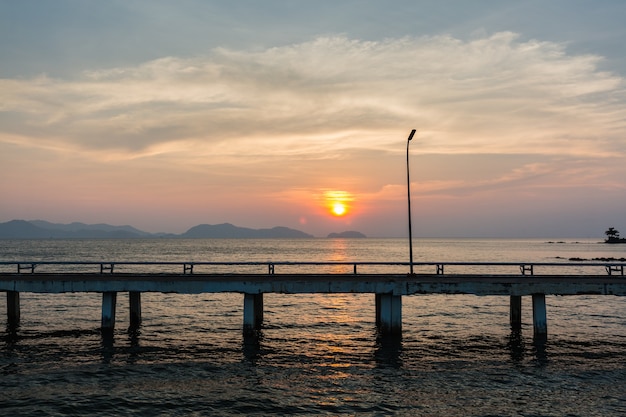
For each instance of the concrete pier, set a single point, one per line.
(387, 288)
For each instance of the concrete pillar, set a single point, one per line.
(134, 298)
(252, 312)
(109, 300)
(389, 313)
(540, 320)
(377, 298)
(13, 308)
(516, 312)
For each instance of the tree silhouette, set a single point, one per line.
(612, 233)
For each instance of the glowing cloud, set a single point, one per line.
(492, 93)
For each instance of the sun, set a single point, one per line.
(338, 203)
(338, 209)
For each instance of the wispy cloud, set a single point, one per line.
(493, 94)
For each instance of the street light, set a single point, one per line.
(408, 190)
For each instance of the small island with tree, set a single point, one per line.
(612, 236)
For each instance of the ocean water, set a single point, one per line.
(316, 354)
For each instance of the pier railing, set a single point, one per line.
(333, 267)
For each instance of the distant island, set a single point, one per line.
(612, 236)
(229, 231)
(347, 234)
(40, 229)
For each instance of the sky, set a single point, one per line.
(168, 114)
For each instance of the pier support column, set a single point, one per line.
(13, 308)
(377, 298)
(389, 313)
(252, 312)
(109, 300)
(134, 298)
(516, 312)
(540, 319)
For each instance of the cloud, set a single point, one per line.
(323, 97)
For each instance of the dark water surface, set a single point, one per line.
(316, 354)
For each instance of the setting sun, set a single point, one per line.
(338, 202)
(338, 209)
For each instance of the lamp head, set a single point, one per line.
(411, 135)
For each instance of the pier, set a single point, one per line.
(384, 280)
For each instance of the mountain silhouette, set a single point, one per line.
(40, 229)
(229, 231)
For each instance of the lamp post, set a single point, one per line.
(408, 190)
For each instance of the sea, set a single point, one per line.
(316, 354)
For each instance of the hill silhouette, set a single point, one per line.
(40, 229)
(347, 234)
(229, 231)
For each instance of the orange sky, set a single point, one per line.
(517, 135)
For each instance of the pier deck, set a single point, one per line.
(398, 284)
